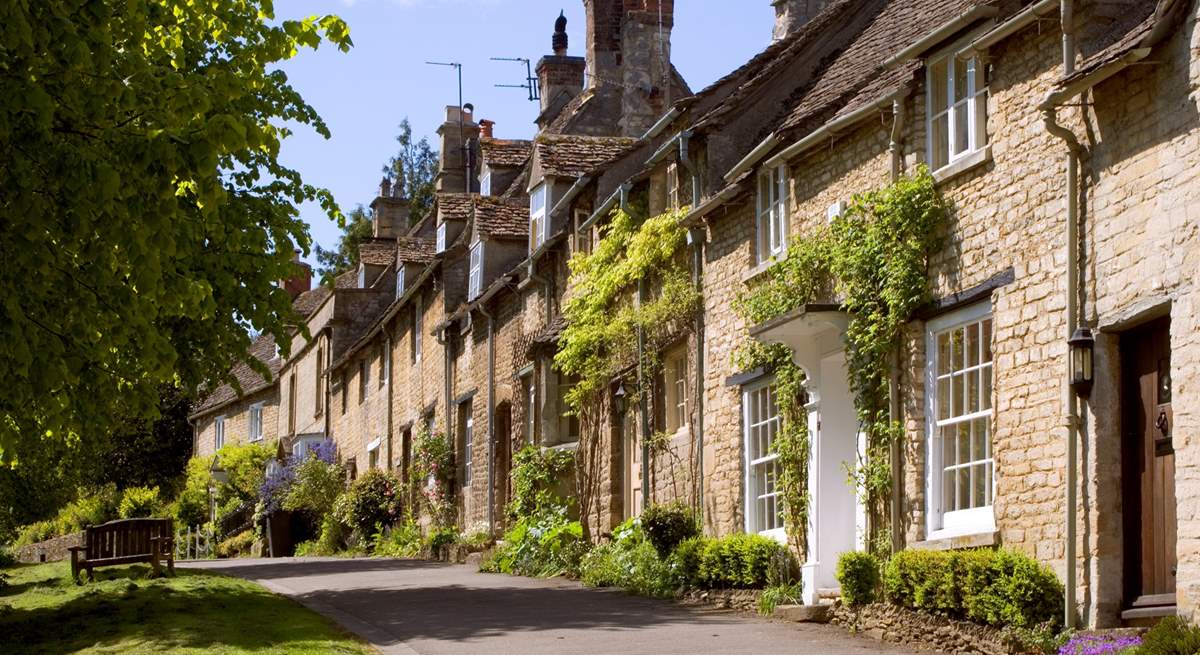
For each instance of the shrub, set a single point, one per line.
(543, 545)
(744, 561)
(858, 575)
(246, 465)
(315, 485)
(238, 545)
(685, 561)
(402, 541)
(372, 500)
(536, 475)
(476, 537)
(776, 595)
(440, 539)
(668, 525)
(7, 558)
(995, 587)
(1172, 636)
(93, 507)
(139, 503)
(191, 508)
(631, 562)
(333, 538)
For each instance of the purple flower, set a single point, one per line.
(1092, 644)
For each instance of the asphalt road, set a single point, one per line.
(408, 607)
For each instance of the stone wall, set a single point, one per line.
(922, 631)
(51, 550)
(237, 422)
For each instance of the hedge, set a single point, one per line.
(994, 587)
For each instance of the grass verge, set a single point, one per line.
(126, 610)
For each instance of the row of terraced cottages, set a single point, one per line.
(1063, 134)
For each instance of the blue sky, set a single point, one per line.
(365, 93)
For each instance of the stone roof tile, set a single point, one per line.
(250, 380)
(505, 153)
(562, 155)
(502, 217)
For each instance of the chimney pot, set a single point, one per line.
(486, 128)
(559, 41)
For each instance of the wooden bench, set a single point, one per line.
(128, 541)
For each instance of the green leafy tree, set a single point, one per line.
(414, 168)
(145, 214)
(357, 228)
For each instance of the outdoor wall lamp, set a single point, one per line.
(1082, 346)
(619, 398)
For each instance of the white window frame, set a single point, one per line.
(373, 453)
(364, 379)
(485, 181)
(539, 204)
(757, 400)
(441, 238)
(400, 281)
(530, 392)
(673, 191)
(362, 275)
(772, 224)
(973, 104)
(385, 368)
(475, 286)
(219, 432)
(583, 236)
(568, 427)
(675, 389)
(467, 435)
(255, 420)
(942, 523)
(304, 445)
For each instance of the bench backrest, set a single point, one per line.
(125, 538)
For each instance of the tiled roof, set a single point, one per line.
(250, 381)
(1144, 25)
(517, 189)
(563, 155)
(505, 153)
(502, 217)
(306, 303)
(853, 77)
(414, 250)
(454, 206)
(377, 252)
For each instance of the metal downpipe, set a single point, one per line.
(696, 236)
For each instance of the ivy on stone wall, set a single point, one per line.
(873, 259)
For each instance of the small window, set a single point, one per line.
(959, 393)
(530, 392)
(441, 238)
(466, 438)
(485, 182)
(957, 116)
(476, 277)
(385, 364)
(583, 236)
(219, 432)
(363, 383)
(568, 420)
(345, 391)
(671, 392)
(772, 213)
(764, 512)
(292, 403)
(256, 422)
(373, 456)
(539, 198)
(400, 281)
(673, 186)
(835, 210)
(417, 329)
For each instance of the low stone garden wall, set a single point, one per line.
(924, 631)
(51, 550)
(745, 600)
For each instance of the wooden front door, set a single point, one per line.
(1148, 466)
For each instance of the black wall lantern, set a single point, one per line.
(619, 399)
(1082, 347)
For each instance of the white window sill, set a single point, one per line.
(963, 164)
(758, 271)
(958, 539)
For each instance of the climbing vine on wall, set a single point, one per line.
(873, 259)
(603, 317)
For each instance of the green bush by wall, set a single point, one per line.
(859, 576)
(667, 525)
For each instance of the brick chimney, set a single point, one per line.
(390, 210)
(645, 63)
(301, 281)
(791, 15)
(487, 129)
(459, 145)
(560, 77)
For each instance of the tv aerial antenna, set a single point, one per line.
(531, 82)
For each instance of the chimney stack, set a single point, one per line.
(301, 280)
(459, 144)
(645, 63)
(560, 78)
(487, 129)
(791, 15)
(390, 211)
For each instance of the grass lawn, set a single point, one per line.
(127, 611)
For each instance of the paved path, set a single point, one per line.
(408, 607)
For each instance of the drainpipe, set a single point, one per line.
(448, 370)
(491, 412)
(391, 370)
(643, 407)
(1049, 119)
(696, 237)
(896, 410)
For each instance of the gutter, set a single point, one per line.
(752, 158)
(662, 123)
(575, 190)
(830, 129)
(896, 408)
(696, 237)
(620, 195)
(491, 413)
(708, 206)
(1019, 21)
(939, 34)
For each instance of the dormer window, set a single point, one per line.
(476, 277)
(957, 109)
(362, 276)
(485, 182)
(538, 199)
(772, 213)
(673, 186)
(441, 238)
(400, 281)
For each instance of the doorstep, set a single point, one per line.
(804, 613)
